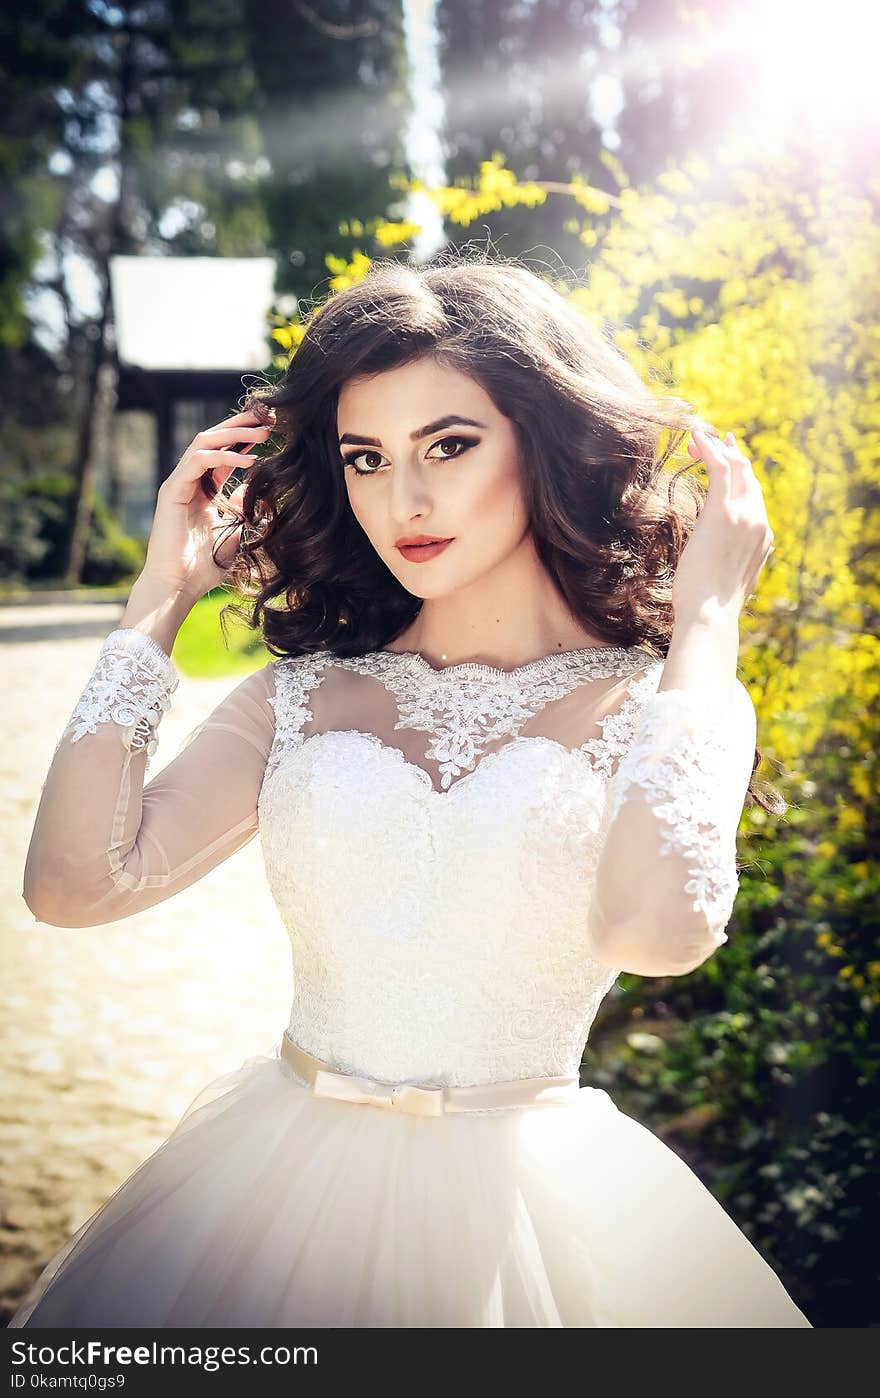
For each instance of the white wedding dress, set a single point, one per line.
(452, 852)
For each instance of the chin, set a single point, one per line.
(416, 578)
(427, 591)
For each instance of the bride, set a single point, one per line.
(490, 770)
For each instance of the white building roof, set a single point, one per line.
(192, 312)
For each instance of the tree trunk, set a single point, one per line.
(84, 465)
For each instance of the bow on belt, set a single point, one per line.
(421, 1101)
(426, 1101)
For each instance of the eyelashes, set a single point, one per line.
(349, 460)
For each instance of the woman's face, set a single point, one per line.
(460, 480)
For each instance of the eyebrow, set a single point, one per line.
(449, 421)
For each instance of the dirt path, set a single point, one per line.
(109, 1032)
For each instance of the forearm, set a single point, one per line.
(666, 877)
(156, 610)
(90, 808)
(702, 659)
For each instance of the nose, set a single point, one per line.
(409, 497)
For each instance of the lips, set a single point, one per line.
(417, 553)
(410, 540)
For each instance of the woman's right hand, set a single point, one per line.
(186, 523)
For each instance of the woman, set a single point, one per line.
(488, 774)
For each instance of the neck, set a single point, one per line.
(506, 619)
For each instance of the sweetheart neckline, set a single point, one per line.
(425, 777)
(603, 743)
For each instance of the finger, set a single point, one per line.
(742, 477)
(704, 431)
(733, 448)
(227, 541)
(212, 468)
(220, 475)
(197, 462)
(246, 418)
(716, 463)
(234, 500)
(221, 436)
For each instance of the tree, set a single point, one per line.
(142, 127)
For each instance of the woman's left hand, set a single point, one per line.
(732, 539)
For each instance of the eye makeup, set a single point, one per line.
(349, 458)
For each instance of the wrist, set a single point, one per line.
(703, 655)
(157, 609)
(711, 617)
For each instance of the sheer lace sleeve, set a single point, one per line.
(667, 874)
(104, 846)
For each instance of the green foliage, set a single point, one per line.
(35, 521)
(205, 651)
(24, 521)
(762, 1069)
(111, 554)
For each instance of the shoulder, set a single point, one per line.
(645, 681)
(270, 687)
(296, 669)
(653, 713)
(297, 662)
(292, 677)
(253, 689)
(241, 710)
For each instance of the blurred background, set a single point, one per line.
(181, 181)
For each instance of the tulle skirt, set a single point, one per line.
(270, 1206)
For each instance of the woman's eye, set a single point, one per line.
(360, 470)
(466, 443)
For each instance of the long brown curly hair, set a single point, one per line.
(609, 523)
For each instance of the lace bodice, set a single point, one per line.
(465, 859)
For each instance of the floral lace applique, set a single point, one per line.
(295, 678)
(131, 685)
(675, 760)
(465, 707)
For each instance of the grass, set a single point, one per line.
(203, 652)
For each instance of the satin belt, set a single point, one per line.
(326, 1081)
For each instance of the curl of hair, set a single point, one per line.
(609, 522)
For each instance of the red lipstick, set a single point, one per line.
(418, 548)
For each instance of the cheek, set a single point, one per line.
(497, 497)
(359, 504)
